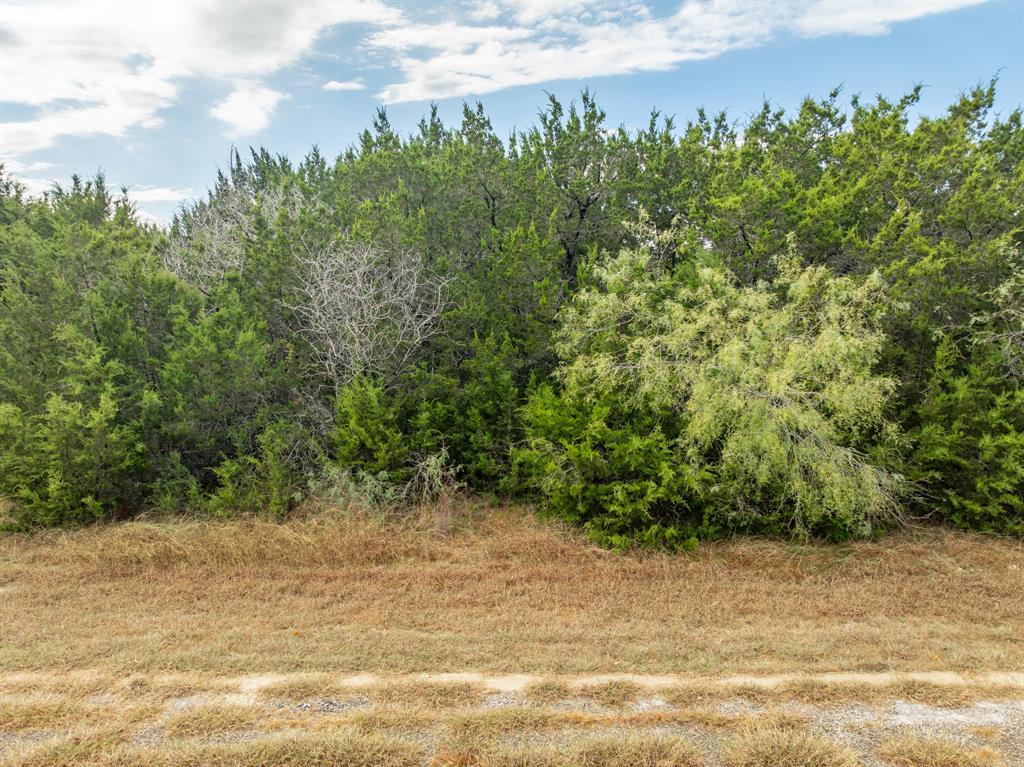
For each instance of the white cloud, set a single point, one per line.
(159, 194)
(484, 10)
(106, 67)
(350, 85)
(248, 109)
(12, 165)
(574, 39)
(868, 17)
(35, 187)
(151, 218)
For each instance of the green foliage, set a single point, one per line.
(612, 468)
(222, 384)
(677, 332)
(266, 480)
(969, 449)
(76, 459)
(366, 436)
(687, 393)
(472, 415)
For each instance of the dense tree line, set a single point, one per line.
(810, 324)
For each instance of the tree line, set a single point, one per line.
(806, 324)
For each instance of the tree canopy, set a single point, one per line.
(805, 324)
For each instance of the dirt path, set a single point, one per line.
(519, 682)
(168, 714)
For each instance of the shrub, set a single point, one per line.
(367, 437)
(968, 452)
(77, 460)
(270, 480)
(690, 404)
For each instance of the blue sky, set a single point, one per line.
(156, 94)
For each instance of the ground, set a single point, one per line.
(473, 635)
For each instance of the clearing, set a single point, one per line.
(489, 638)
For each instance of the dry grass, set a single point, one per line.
(630, 751)
(615, 694)
(830, 693)
(377, 720)
(711, 719)
(935, 752)
(985, 732)
(786, 748)
(340, 748)
(433, 695)
(145, 644)
(500, 592)
(548, 692)
(17, 717)
(826, 693)
(305, 688)
(212, 719)
(487, 724)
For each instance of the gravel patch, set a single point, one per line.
(652, 704)
(327, 705)
(502, 700)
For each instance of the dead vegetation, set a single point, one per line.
(333, 639)
(787, 748)
(390, 722)
(498, 591)
(912, 751)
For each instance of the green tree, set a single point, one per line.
(691, 402)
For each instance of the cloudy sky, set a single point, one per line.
(155, 94)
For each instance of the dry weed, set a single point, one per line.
(211, 719)
(499, 592)
(935, 752)
(774, 747)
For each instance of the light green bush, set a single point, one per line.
(689, 402)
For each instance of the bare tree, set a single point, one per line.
(364, 310)
(209, 240)
(361, 308)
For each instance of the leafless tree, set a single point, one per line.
(209, 240)
(364, 310)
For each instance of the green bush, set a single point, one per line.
(269, 480)
(615, 470)
(366, 436)
(378, 321)
(968, 455)
(687, 397)
(470, 413)
(77, 460)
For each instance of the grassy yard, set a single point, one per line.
(479, 636)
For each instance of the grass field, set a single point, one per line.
(494, 639)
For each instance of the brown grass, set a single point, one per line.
(434, 695)
(548, 692)
(630, 751)
(615, 694)
(500, 592)
(935, 752)
(32, 715)
(985, 731)
(304, 688)
(786, 748)
(378, 720)
(826, 693)
(340, 748)
(209, 720)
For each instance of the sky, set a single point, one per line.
(155, 95)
